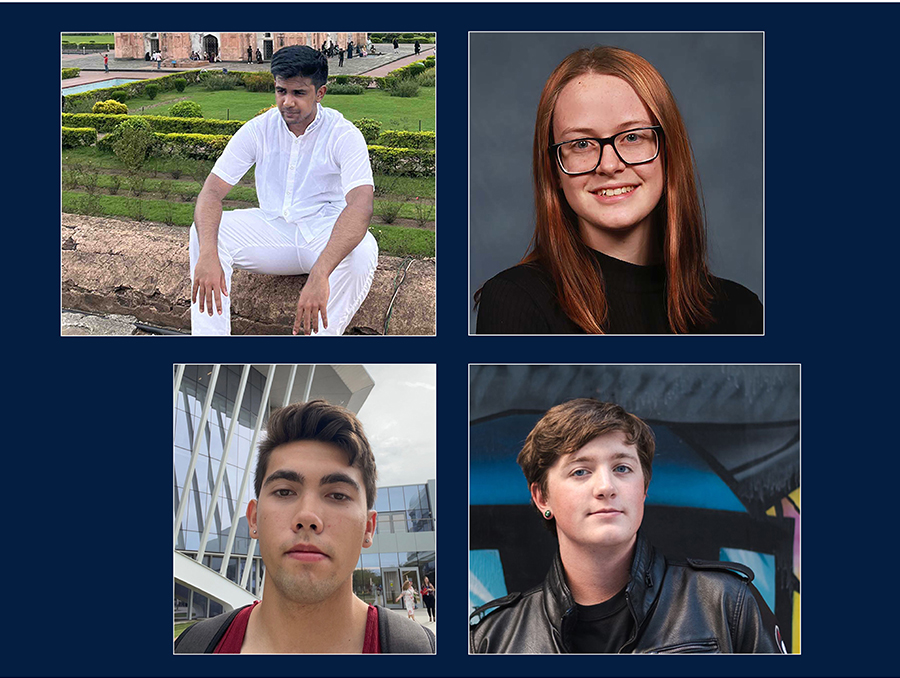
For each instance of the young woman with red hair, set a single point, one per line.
(619, 245)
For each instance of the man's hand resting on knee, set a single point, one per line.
(313, 300)
(209, 284)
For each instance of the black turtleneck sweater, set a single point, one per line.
(523, 300)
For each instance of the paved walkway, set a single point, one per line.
(91, 65)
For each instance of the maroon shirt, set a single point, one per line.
(234, 637)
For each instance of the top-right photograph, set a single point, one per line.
(616, 183)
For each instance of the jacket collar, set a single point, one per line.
(647, 572)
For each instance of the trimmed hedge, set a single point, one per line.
(70, 73)
(404, 139)
(413, 162)
(200, 146)
(158, 123)
(73, 137)
(110, 107)
(186, 109)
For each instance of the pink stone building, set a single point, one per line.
(229, 46)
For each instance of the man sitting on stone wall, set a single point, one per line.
(316, 193)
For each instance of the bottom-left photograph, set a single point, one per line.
(304, 509)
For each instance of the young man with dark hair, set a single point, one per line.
(316, 196)
(588, 466)
(315, 489)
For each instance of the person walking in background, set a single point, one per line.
(418, 47)
(341, 58)
(106, 63)
(258, 56)
(428, 594)
(409, 599)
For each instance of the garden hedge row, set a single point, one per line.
(404, 139)
(158, 123)
(70, 73)
(414, 162)
(72, 137)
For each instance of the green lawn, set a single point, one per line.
(394, 113)
(104, 38)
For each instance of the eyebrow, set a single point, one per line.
(614, 457)
(294, 477)
(624, 127)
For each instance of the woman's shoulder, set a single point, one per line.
(520, 300)
(735, 309)
(531, 277)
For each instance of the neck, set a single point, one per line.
(334, 626)
(636, 244)
(595, 574)
(299, 128)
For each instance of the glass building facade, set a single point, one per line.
(403, 547)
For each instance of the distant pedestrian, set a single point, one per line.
(258, 56)
(249, 55)
(396, 43)
(428, 594)
(409, 599)
(418, 47)
(350, 50)
(106, 62)
(341, 57)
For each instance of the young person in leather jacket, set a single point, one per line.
(588, 465)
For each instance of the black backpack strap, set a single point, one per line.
(202, 637)
(399, 635)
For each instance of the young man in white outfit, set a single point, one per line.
(315, 189)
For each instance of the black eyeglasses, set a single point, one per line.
(633, 147)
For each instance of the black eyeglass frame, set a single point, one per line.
(608, 141)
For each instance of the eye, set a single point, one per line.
(622, 468)
(580, 145)
(340, 496)
(580, 472)
(283, 492)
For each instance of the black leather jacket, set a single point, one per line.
(693, 607)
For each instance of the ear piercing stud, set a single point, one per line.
(547, 514)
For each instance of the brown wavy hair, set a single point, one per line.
(557, 244)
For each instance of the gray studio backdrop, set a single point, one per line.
(717, 80)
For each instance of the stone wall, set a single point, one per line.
(232, 46)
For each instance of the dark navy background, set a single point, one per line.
(88, 570)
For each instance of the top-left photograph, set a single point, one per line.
(223, 184)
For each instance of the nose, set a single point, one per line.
(604, 484)
(307, 518)
(609, 161)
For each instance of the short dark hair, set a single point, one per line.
(294, 60)
(321, 421)
(569, 426)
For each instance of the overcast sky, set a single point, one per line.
(399, 417)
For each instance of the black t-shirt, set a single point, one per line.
(604, 627)
(523, 300)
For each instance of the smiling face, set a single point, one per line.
(615, 198)
(311, 522)
(596, 494)
(296, 99)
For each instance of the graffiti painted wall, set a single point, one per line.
(726, 476)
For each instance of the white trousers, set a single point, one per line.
(250, 241)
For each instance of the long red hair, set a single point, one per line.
(557, 244)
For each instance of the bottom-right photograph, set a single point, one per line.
(634, 509)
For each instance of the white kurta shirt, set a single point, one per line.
(303, 180)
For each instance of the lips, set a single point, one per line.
(612, 191)
(606, 512)
(306, 553)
